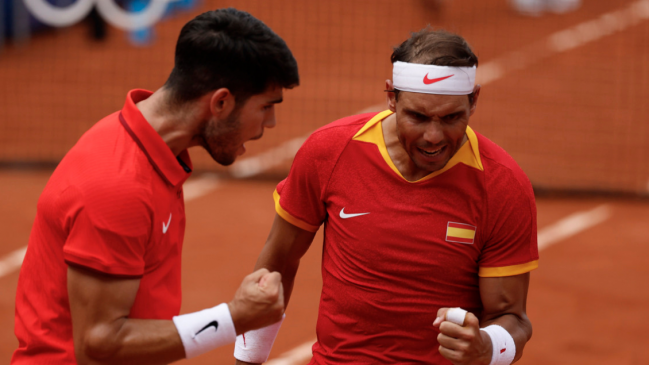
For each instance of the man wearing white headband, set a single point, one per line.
(421, 214)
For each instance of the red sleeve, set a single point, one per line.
(108, 229)
(301, 198)
(510, 245)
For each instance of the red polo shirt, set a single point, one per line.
(114, 205)
(396, 251)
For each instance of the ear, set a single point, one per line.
(476, 94)
(390, 97)
(222, 103)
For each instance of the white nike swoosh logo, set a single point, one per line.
(166, 227)
(343, 215)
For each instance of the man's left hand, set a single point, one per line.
(463, 345)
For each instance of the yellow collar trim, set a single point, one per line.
(468, 154)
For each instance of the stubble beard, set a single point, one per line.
(222, 140)
(412, 149)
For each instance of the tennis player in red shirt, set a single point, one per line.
(100, 283)
(421, 214)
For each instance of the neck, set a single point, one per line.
(397, 153)
(177, 126)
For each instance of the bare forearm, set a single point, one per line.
(285, 246)
(287, 267)
(504, 300)
(133, 341)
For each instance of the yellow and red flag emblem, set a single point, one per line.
(460, 232)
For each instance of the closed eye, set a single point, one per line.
(417, 116)
(451, 117)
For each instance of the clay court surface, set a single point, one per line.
(564, 95)
(568, 103)
(588, 300)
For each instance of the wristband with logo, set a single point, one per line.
(206, 330)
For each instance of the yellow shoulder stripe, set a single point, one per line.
(494, 272)
(289, 218)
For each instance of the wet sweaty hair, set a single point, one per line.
(435, 47)
(229, 48)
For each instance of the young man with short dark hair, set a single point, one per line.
(100, 283)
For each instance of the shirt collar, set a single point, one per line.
(468, 154)
(159, 154)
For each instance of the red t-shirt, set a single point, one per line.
(114, 205)
(396, 251)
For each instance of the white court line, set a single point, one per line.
(565, 228)
(571, 225)
(265, 161)
(192, 189)
(12, 261)
(201, 185)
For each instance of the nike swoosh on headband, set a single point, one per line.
(428, 81)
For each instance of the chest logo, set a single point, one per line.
(460, 232)
(344, 215)
(165, 227)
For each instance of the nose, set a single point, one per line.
(434, 133)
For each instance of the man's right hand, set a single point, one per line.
(258, 302)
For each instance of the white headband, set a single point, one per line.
(431, 79)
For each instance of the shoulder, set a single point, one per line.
(502, 173)
(107, 154)
(110, 178)
(510, 218)
(318, 156)
(332, 138)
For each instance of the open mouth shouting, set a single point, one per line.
(432, 152)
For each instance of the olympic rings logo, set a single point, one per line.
(111, 12)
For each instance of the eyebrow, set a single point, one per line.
(276, 101)
(412, 111)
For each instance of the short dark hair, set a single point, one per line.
(232, 49)
(435, 47)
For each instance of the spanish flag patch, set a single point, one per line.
(460, 232)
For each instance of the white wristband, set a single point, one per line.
(504, 348)
(206, 330)
(254, 346)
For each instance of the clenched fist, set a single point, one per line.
(258, 302)
(463, 344)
